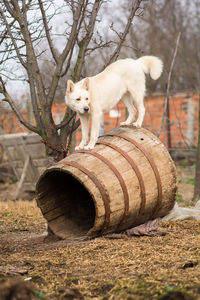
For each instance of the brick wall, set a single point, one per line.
(9, 123)
(183, 118)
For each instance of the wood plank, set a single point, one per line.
(17, 146)
(19, 186)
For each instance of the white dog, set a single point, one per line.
(122, 80)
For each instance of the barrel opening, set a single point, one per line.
(66, 204)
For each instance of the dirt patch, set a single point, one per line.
(127, 268)
(102, 268)
(186, 175)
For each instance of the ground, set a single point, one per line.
(126, 268)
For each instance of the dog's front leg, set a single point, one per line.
(96, 120)
(85, 130)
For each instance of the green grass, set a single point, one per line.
(190, 180)
(179, 198)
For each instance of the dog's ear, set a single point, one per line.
(86, 84)
(70, 86)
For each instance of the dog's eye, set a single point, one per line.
(86, 98)
(78, 99)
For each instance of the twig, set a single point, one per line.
(179, 126)
(14, 107)
(65, 122)
(168, 83)
(47, 30)
(68, 47)
(83, 44)
(12, 38)
(123, 35)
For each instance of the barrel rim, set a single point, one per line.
(91, 232)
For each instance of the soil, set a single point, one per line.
(36, 266)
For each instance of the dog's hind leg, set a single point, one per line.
(128, 102)
(139, 103)
(141, 113)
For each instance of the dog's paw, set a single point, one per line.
(136, 124)
(124, 123)
(79, 147)
(89, 147)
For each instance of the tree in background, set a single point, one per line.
(195, 77)
(156, 34)
(164, 20)
(28, 25)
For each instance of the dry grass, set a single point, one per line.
(20, 215)
(127, 268)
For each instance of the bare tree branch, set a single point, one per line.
(168, 83)
(47, 30)
(65, 122)
(85, 41)
(4, 34)
(69, 45)
(14, 107)
(32, 63)
(12, 38)
(76, 37)
(134, 8)
(8, 6)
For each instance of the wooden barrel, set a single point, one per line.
(127, 179)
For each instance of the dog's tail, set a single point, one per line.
(151, 65)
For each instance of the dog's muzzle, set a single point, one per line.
(86, 109)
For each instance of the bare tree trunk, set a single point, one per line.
(197, 171)
(166, 105)
(168, 127)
